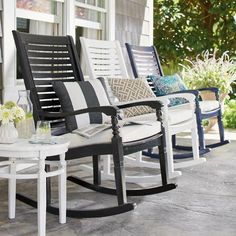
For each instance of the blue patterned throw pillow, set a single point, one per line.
(164, 85)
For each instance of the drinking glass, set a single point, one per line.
(43, 130)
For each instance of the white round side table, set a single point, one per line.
(23, 152)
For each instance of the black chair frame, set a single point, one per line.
(44, 59)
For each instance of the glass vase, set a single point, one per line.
(26, 127)
(8, 133)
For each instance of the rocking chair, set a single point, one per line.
(105, 59)
(49, 64)
(145, 61)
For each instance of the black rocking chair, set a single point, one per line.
(45, 59)
(145, 61)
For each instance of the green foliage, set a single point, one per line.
(170, 68)
(208, 70)
(184, 28)
(229, 117)
(9, 104)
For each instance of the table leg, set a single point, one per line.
(41, 192)
(62, 190)
(12, 190)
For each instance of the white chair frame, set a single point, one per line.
(105, 59)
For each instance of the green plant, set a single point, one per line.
(170, 68)
(184, 28)
(209, 71)
(229, 117)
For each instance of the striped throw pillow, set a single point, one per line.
(80, 95)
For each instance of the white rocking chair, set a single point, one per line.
(105, 59)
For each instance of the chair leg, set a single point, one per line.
(195, 145)
(119, 172)
(162, 155)
(200, 132)
(221, 133)
(221, 127)
(96, 170)
(12, 190)
(106, 166)
(173, 137)
(195, 140)
(150, 150)
(62, 190)
(48, 186)
(169, 161)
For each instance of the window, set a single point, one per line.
(91, 14)
(45, 6)
(38, 17)
(88, 18)
(98, 3)
(90, 22)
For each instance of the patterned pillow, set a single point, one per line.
(80, 95)
(129, 90)
(111, 97)
(168, 84)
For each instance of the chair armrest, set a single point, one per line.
(195, 92)
(166, 100)
(154, 103)
(108, 110)
(151, 102)
(188, 96)
(212, 89)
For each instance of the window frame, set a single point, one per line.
(67, 23)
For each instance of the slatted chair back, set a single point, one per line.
(144, 60)
(45, 59)
(103, 58)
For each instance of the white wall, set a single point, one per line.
(134, 24)
(134, 21)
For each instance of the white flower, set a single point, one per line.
(18, 112)
(10, 112)
(6, 116)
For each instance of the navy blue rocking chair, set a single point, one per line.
(145, 61)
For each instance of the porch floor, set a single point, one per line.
(204, 203)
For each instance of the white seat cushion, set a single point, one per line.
(208, 105)
(129, 133)
(177, 114)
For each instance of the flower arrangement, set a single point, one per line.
(209, 71)
(10, 112)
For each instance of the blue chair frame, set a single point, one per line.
(152, 66)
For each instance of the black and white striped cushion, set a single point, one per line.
(80, 95)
